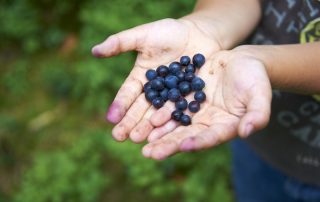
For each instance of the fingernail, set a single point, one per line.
(248, 129)
(114, 114)
(146, 151)
(96, 51)
(119, 134)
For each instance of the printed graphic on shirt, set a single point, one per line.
(288, 17)
(311, 32)
(294, 122)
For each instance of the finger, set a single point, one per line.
(258, 113)
(169, 144)
(215, 135)
(121, 131)
(141, 131)
(121, 42)
(159, 132)
(127, 94)
(162, 115)
(166, 149)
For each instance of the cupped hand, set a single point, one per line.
(157, 43)
(238, 103)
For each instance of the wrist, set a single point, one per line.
(207, 26)
(258, 53)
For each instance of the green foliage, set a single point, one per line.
(202, 176)
(15, 81)
(72, 174)
(53, 97)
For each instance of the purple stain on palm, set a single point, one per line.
(114, 114)
(188, 145)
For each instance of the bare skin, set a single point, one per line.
(157, 43)
(205, 30)
(238, 103)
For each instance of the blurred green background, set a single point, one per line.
(55, 145)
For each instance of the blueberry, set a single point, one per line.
(151, 74)
(190, 68)
(174, 67)
(194, 106)
(157, 84)
(163, 70)
(185, 120)
(151, 94)
(200, 96)
(189, 76)
(171, 81)
(198, 60)
(164, 94)
(174, 94)
(158, 102)
(147, 86)
(184, 87)
(180, 75)
(184, 60)
(176, 115)
(197, 84)
(181, 104)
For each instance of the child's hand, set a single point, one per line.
(238, 102)
(157, 43)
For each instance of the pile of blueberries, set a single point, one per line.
(174, 83)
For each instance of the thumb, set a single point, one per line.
(257, 115)
(124, 41)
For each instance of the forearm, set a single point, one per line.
(294, 68)
(228, 21)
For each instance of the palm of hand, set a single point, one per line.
(157, 43)
(238, 102)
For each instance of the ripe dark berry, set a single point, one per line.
(164, 94)
(189, 76)
(197, 84)
(184, 87)
(180, 75)
(157, 84)
(160, 78)
(147, 86)
(198, 60)
(176, 115)
(174, 94)
(184, 60)
(151, 94)
(200, 96)
(174, 67)
(151, 74)
(158, 102)
(190, 68)
(185, 120)
(163, 71)
(182, 104)
(194, 106)
(171, 81)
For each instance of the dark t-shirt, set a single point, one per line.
(291, 142)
